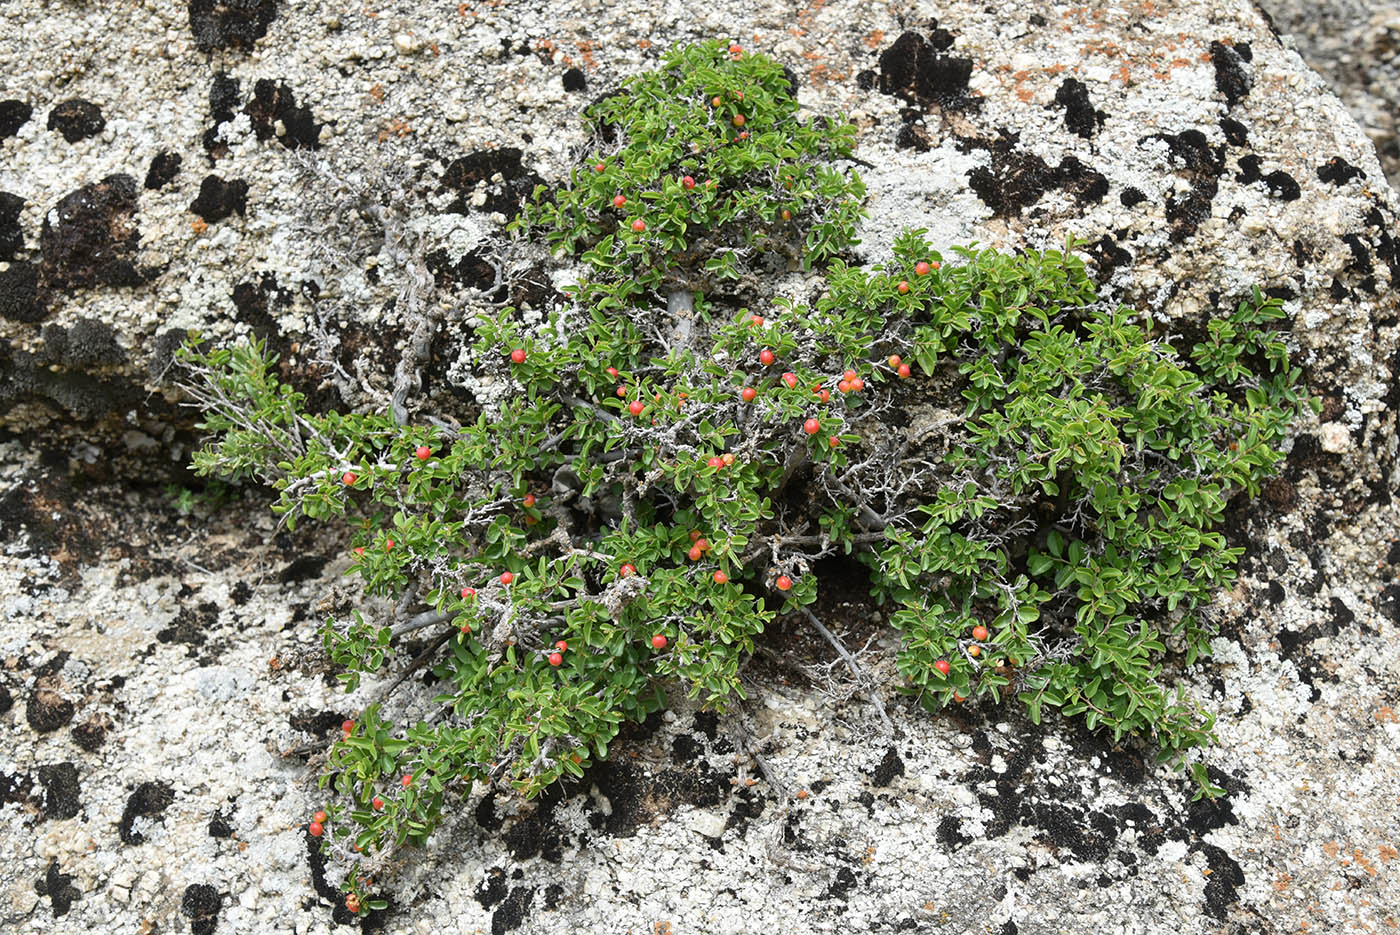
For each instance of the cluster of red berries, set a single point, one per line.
(720, 461)
(556, 658)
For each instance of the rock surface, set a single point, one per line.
(160, 687)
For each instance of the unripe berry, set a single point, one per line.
(716, 101)
(517, 356)
(727, 458)
(894, 361)
(658, 641)
(811, 426)
(903, 286)
(787, 215)
(621, 392)
(319, 818)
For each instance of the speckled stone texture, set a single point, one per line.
(162, 700)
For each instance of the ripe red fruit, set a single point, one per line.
(388, 545)
(529, 500)
(658, 641)
(979, 633)
(378, 803)
(635, 407)
(739, 120)
(811, 426)
(765, 356)
(507, 577)
(562, 646)
(942, 666)
(347, 727)
(407, 780)
(351, 902)
(721, 578)
(314, 829)
(349, 478)
(735, 48)
(959, 698)
(468, 593)
(621, 392)
(824, 395)
(423, 452)
(833, 441)
(612, 371)
(844, 386)
(921, 268)
(556, 659)
(790, 379)
(639, 225)
(702, 544)
(627, 569)
(714, 462)
(687, 183)
(359, 550)
(517, 356)
(787, 215)
(695, 553)
(716, 101)
(599, 167)
(784, 583)
(319, 817)
(619, 201)
(894, 360)
(904, 371)
(903, 287)
(747, 394)
(849, 376)
(755, 321)
(857, 385)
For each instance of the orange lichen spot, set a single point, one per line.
(198, 225)
(1386, 713)
(1024, 94)
(377, 92)
(1331, 849)
(876, 37)
(643, 43)
(1388, 853)
(434, 47)
(1281, 881)
(1123, 75)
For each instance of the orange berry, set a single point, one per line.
(784, 583)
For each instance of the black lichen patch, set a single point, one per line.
(840, 888)
(1235, 132)
(274, 103)
(13, 115)
(223, 105)
(218, 198)
(219, 826)
(1131, 197)
(191, 626)
(1337, 171)
(47, 710)
(92, 733)
(61, 790)
(150, 800)
(1283, 186)
(90, 238)
(11, 234)
(574, 80)
(257, 300)
(513, 910)
(1017, 179)
(471, 270)
(463, 175)
(59, 888)
(1226, 876)
(1190, 153)
(25, 376)
(229, 24)
(1232, 78)
(1249, 170)
(86, 343)
(1107, 257)
(890, 766)
(917, 71)
(76, 119)
(1080, 115)
(165, 165)
(201, 904)
(950, 833)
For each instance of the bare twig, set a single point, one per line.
(852, 665)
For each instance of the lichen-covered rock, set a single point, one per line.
(1188, 145)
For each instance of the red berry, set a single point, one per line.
(735, 48)
(903, 286)
(635, 407)
(714, 462)
(747, 394)
(739, 120)
(687, 183)
(319, 818)
(639, 225)
(468, 593)
(904, 371)
(721, 578)
(658, 641)
(703, 544)
(378, 803)
(857, 385)
(529, 500)
(716, 101)
(349, 478)
(811, 426)
(784, 583)
(744, 134)
(599, 167)
(315, 829)
(619, 201)
(833, 441)
(787, 215)
(627, 569)
(347, 726)
(790, 379)
(921, 268)
(849, 376)
(765, 356)
(695, 553)
(556, 659)
(755, 321)
(423, 452)
(359, 550)
(844, 386)
(894, 361)
(407, 780)
(942, 666)
(620, 392)
(517, 356)
(562, 646)
(979, 633)
(507, 577)
(824, 395)
(959, 698)
(612, 371)
(388, 545)
(351, 902)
